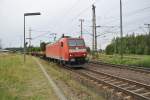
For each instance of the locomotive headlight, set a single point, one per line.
(84, 54)
(70, 55)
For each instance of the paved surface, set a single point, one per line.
(58, 92)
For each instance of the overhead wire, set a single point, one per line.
(39, 36)
(138, 11)
(82, 12)
(70, 21)
(42, 35)
(129, 14)
(133, 13)
(70, 9)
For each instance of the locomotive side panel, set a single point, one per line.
(58, 50)
(64, 50)
(52, 51)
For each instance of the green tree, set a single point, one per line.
(110, 49)
(43, 46)
(131, 45)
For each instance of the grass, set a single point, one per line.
(137, 60)
(61, 77)
(19, 81)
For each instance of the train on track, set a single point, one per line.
(66, 50)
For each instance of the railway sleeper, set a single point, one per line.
(130, 87)
(107, 79)
(111, 81)
(146, 94)
(123, 85)
(123, 67)
(126, 90)
(117, 82)
(141, 92)
(104, 77)
(121, 95)
(138, 90)
(113, 94)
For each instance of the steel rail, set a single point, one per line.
(118, 87)
(107, 80)
(133, 68)
(95, 76)
(135, 95)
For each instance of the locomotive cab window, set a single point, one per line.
(80, 42)
(72, 42)
(61, 44)
(76, 42)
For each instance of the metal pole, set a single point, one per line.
(81, 28)
(30, 37)
(121, 30)
(115, 41)
(30, 40)
(148, 26)
(0, 44)
(24, 42)
(27, 14)
(81, 20)
(93, 28)
(54, 37)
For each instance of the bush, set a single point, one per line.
(110, 49)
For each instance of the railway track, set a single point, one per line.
(137, 90)
(133, 89)
(132, 68)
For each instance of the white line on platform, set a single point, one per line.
(51, 82)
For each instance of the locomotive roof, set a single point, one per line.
(65, 37)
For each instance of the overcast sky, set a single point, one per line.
(62, 16)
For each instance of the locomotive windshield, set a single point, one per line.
(76, 42)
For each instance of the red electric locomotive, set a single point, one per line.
(67, 50)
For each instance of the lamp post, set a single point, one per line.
(27, 14)
(121, 31)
